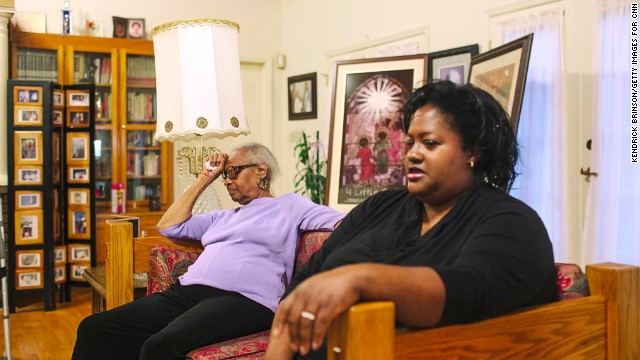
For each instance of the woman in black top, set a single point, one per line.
(453, 247)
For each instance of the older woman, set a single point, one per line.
(235, 284)
(452, 247)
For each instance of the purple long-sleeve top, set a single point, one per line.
(251, 249)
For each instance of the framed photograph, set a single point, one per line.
(135, 28)
(78, 196)
(79, 224)
(58, 98)
(78, 98)
(303, 97)
(77, 147)
(28, 227)
(79, 253)
(27, 147)
(77, 270)
(29, 259)
(365, 142)
(78, 175)
(59, 274)
(28, 116)
(119, 27)
(60, 254)
(77, 119)
(28, 279)
(451, 64)
(55, 136)
(57, 117)
(28, 95)
(502, 72)
(101, 192)
(28, 175)
(28, 199)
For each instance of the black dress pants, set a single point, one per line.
(169, 324)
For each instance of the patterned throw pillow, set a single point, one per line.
(161, 261)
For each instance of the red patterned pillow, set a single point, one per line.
(166, 265)
(248, 347)
(309, 243)
(571, 282)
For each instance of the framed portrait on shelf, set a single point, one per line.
(28, 175)
(60, 254)
(119, 27)
(28, 199)
(77, 118)
(28, 227)
(451, 64)
(77, 270)
(79, 224)
(502, 72)
(28, 279)
(77, 147)
(303, 97)
(27, 147)
(28, 116)
(28, 95)
(365, 154)
(78, 196)
(135, 28)
(59, 274)
(79, 253)
(78, 98)
(78, 175)
(29, 259)
(58, 98)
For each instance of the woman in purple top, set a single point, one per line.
(234, 286)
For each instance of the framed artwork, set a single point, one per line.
(77, 118)
(77, 147)
(60, 254)
(101, 192)
(55, 136)
(135, 28)
(28, 279)
(451, 64)
(502, 72)
(78, 98)
(119, 27)
(58, 98)
(28, 227)
(27, 116)
(59, 274)
(28, 175)
(28, 199)
(79, 224)
(29, 259)
(28, 95)
(27, 147)
(303, 97)
(78, 196)
(77, 270)
(78, 175)
(79, 253)
(365, 150)
(57, 117)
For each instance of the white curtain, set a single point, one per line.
(542, 165)
(613, 202)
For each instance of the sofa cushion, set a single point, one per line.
(166, 265)
(309, 243)
(248, 347)
(571, 282)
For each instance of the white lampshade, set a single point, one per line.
(199, 90)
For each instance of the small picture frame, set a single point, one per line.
(59, 274)
(78, 175)
(28, 116)
(27, 200)
(28, 175)
(60, 254)
(29, 259)
(135, 28)
(55, 136)
(28, 147)
(451, 64)
(77, 270)
(78, 148)
(78, 196)
(119, 27)
(79, 253)
(77, 118)
(303, 97)
(77, 98)
(28, 279)
(31, 95)
(101, 192)
(57, 117)
(58, 98)
(28, 227)
(79, 224)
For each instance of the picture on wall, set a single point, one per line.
(79, 223)
(78, 196)
(303, 97)
(502, 72)
(79, 253)
(78, 175)
(28, 116)
(28, 279)
(29, 259)
(28, 175)
(28, 227)
(77, 119)
(28, 95)
(78, 98)
(28, 147)
(365, 145)
(77, 147)
(28, 199)
(451, 64)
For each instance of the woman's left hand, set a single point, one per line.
(309, 310)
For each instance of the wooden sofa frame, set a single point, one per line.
(604, 325)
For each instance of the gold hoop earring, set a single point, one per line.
(471, 164)
(263, 184)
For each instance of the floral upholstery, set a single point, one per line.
(168, 264)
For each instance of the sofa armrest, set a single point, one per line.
(166, 264)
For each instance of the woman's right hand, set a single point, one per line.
(213, 165)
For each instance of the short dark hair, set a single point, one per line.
(481, 122)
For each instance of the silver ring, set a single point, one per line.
(307, 315)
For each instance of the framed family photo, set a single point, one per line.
(31, 95)
(78, 175)
(78, 147)
(28, 199)
(365, 142)
(135, 28)
(79, 225)
(451, 64)
(28, 116)
(78, 98)
(502, 72)
(27, 147)
(28, 279)
(303, 97)
(28, 227)
(26, 259)
(28, 175)
(77, 118)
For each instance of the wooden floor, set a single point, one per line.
(43, 335)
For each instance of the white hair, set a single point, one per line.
(260, 154)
